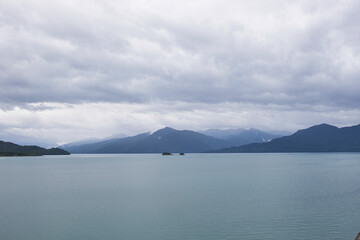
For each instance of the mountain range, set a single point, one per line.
(12, 149)
(172, 140)
(163, 140)
(319, 138)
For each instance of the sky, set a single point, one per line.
(72, 70)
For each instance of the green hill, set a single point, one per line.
(12, 149)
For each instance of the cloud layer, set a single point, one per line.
(270, 57)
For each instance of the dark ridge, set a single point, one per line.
(319, 138)
(12, 149)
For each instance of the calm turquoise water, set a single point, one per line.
(196, 196)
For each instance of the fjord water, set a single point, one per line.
(196, 196)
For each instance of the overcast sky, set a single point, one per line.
(71, 70)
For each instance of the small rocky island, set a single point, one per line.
(169, 153)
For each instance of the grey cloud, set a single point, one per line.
(75, 52)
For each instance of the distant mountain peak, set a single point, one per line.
(320, 128)
(222, 133)
(323, 125)
(241, 136)
(163, 131)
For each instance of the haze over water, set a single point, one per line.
(196, 196)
